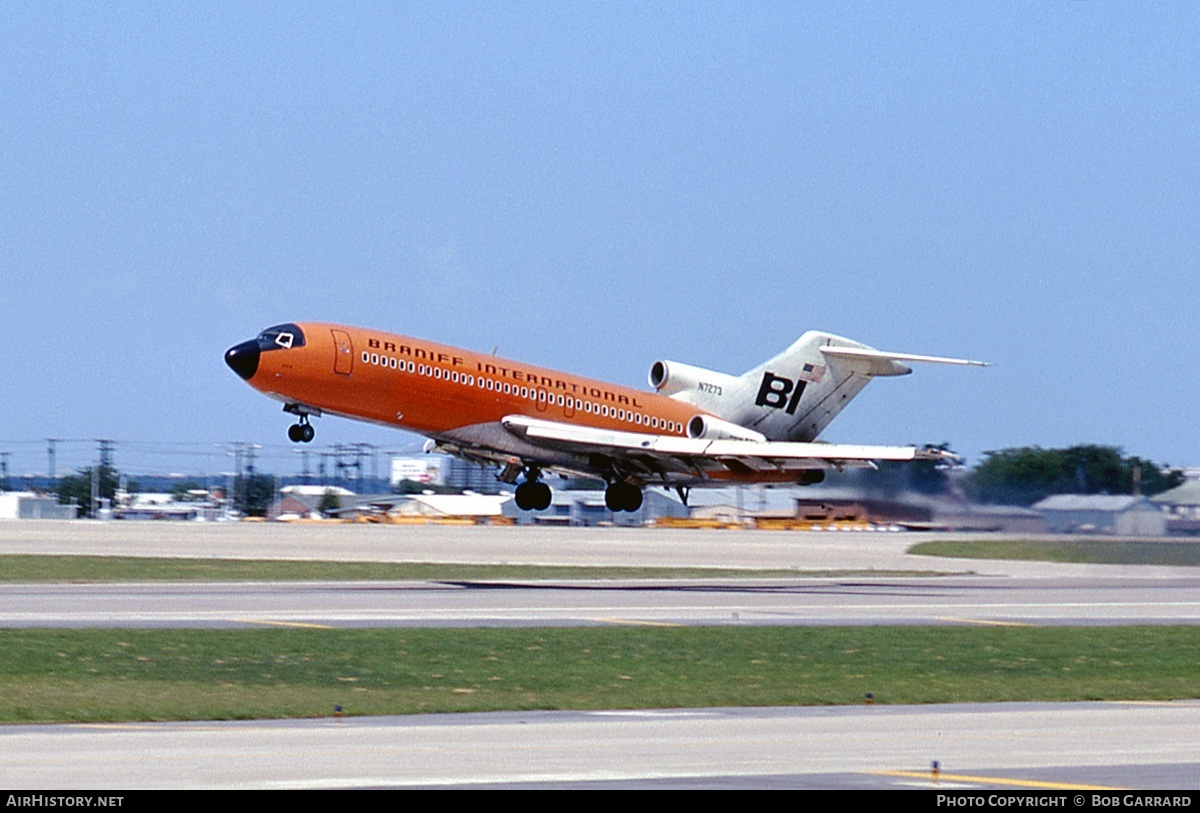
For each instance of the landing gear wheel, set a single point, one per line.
(295, 433)
(612, 498)
(307, 433)
(633, 498)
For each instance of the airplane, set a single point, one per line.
(698, 427)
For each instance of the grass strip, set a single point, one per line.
(1081, 551)
(97, 569)
(187, 674)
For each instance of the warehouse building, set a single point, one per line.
(1102, 514)
(28, 505)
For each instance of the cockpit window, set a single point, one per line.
(281, 337)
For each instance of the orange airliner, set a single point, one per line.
(698, 426)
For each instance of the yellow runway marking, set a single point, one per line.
(268, 623)
(993, 780)
(634, 623)
(985, 623)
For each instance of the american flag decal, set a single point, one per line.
(812, 372)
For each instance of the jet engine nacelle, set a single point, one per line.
(671, 377)
(710, 428)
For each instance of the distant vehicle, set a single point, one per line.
(698, 427)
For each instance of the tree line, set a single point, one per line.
(1024, 475)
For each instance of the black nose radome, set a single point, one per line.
(243, 359)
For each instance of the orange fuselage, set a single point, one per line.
(435, 389)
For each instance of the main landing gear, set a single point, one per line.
(533, 495)
(622, 496)
(301, 432)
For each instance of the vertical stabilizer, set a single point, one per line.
(795, 395)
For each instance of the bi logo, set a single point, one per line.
(775, 390)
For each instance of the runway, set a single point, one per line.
(1069, 747)
(932, 590)
(726, 602)
(1004, 746)
(630, 547)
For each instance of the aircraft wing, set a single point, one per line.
(660, 455)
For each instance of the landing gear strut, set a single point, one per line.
(622, 496)
(301, 432)
(533, 495)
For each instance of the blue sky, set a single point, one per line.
(594, 186)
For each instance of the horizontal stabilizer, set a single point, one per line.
(864, 353)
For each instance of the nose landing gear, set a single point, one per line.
(301, 432)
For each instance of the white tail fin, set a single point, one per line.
(796, 394)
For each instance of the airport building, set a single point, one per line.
(1182, 507)
(28, 505)
(576, 508)
(304, 503)
(468, 506)
(1102, 514)
(439, 470)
